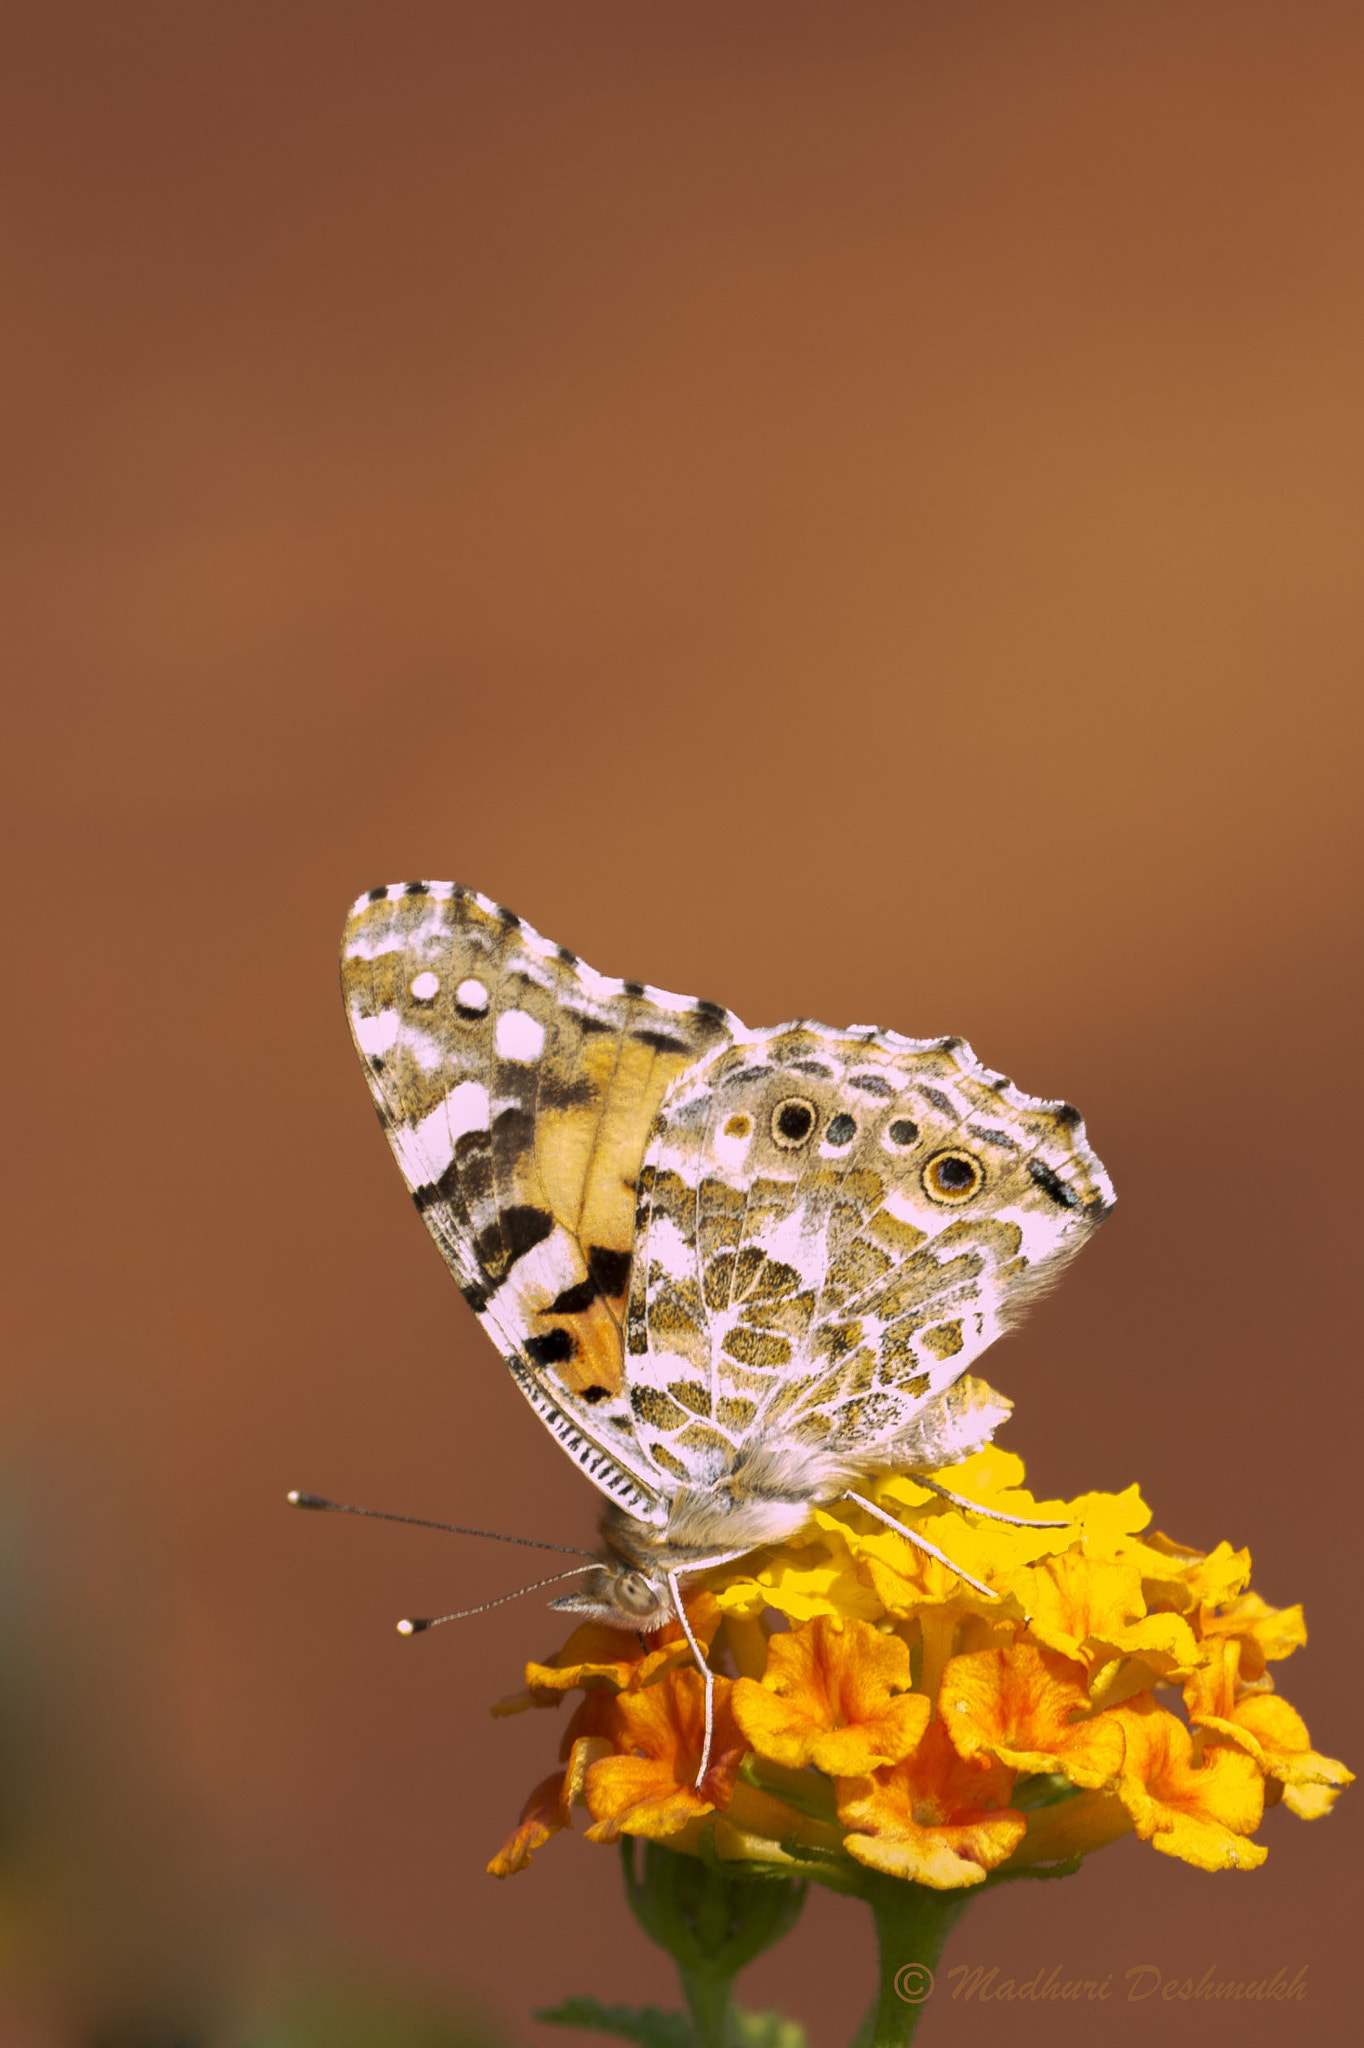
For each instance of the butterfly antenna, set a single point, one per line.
(339, 1507)
(418, 1626)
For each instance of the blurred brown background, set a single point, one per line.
(851, 510)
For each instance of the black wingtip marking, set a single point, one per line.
(1067, 1115)
(709, 1009)
(476, 1296)
(1052, 1184)
(377, 895)
(574, 1300)
(414, 889)
(522, 1228)
(632, 988)
(610, 1270)
(508, 916)
(554, 1348)
(568, 959)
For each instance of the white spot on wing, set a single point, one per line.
(425, 1150)
(542, 1273)
(466, 1109)
(519, 1036)
(425, 986)
(374, 1035)
(471, 995)
(428, 1052)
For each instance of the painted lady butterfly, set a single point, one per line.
(733, 1271)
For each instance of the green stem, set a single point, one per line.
(912, 1924)
(712, 1919)
(708, 1994)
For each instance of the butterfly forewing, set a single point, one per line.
(517, 1088)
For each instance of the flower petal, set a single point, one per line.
(835, 1694)
(648, 1786)
(934, 1818)
(1198, 1812)
(1019, 1706)
(547, 1810)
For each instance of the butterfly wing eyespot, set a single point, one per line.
(903, 1134)
(952, 1177)
(793, 1120)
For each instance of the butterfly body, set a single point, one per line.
(732, 1270)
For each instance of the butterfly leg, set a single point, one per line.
(701, 1564)
(959, 1500)
(919, 1542)
(707, 1675)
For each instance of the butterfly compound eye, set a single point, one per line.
(792, 1122)
(633, 1593)
(952, 1177)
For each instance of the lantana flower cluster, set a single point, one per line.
(877, 1711)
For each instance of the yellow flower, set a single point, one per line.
(876, 1713)
(1270, 1732)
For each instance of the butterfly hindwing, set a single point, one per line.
(833, 1227)
(517, 1088)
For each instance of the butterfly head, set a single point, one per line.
(622, 1596)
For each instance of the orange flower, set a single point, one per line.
(649, 1786)
(1201, 1812)
(547, 1810)
(836, 1694)
(934, 1818)
(1019, 1706)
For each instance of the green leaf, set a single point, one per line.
(646, 2024)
